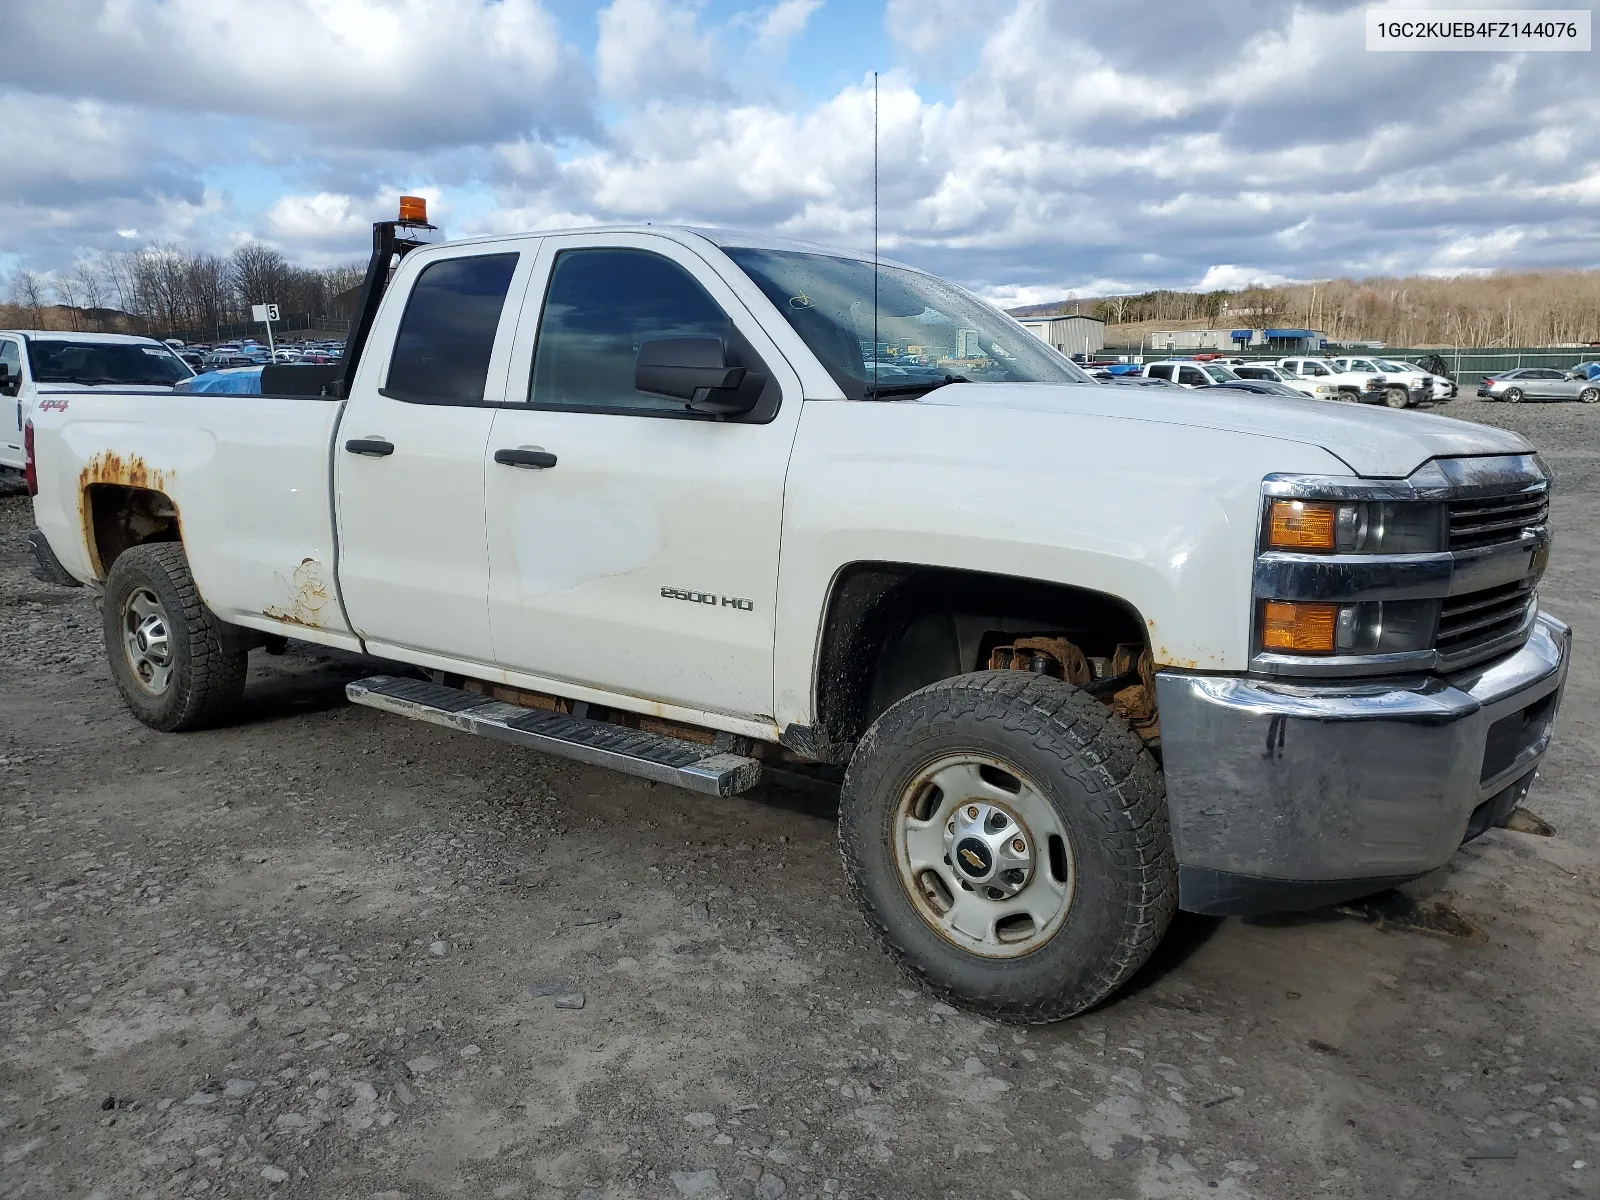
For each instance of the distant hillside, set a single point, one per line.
(67, 317)
(1527, 308)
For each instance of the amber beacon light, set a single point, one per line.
(414, 210)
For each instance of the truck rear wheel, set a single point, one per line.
(178, 667)
(1007, 836)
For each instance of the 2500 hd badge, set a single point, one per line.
(738, 602)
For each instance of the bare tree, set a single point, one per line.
(30, 292)
(67, 292)
(259, 274)
(90, 282)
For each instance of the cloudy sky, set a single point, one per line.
(1030, 148)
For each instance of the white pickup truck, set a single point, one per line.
(1086, 654)
(36, 364)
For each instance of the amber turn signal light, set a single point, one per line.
(414, 210)
(1298, 628)
(1301, 525)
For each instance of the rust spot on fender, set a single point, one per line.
(1165, 658)
(308, 596)
(110, 467)
(128, 470)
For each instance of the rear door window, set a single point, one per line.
(446, 337)
(1160, 371)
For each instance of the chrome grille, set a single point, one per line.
(1491, 520)
(1469, 623)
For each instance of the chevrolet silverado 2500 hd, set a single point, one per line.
(682, 503)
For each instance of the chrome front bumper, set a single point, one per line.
(1292, 796)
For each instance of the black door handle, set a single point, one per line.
(532, 457)
(371, 447)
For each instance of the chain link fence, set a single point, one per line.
(294, 323)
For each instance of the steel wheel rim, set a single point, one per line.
(147, 641)
(965, 829)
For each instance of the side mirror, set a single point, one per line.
(694, 369)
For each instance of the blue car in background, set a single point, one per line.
(1590, 370)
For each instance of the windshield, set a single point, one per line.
(929, 332)
(1386, 365)
(57, 360)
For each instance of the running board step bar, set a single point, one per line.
(655, 756)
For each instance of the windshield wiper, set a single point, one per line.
(922, 385)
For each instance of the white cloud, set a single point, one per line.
(780, 24)
(927, 27)
(377, 72)
(1029, 147)
(1226, 276)
(653, 48)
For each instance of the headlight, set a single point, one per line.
(1355, 527)
(1369, 627)
(1324, 389)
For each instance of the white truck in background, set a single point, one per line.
(1435, 387)
(38, 363)
(1362, 386)
(633, 496)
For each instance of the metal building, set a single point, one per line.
(1283, 341)
(1068, 334)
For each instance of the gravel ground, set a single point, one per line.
(330, 953)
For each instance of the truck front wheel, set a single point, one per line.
(1007, 836)
(178, 667)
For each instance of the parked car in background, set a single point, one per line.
(1354, 385)
(34, 364)
(1589, 370)
(1124, 379)
(223, 357)
(1539, 383)
(1436, 386)
(1444, 386)
(1260, 387)
(1189, 373)
(1262, 371)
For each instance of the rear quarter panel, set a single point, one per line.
(248, 476)
(1162, 516)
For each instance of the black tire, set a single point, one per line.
(1103, 785)
(1396, 398)
(208, 658)
(1513, 396)
(1589, 395)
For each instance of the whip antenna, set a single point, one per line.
(874, 234)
